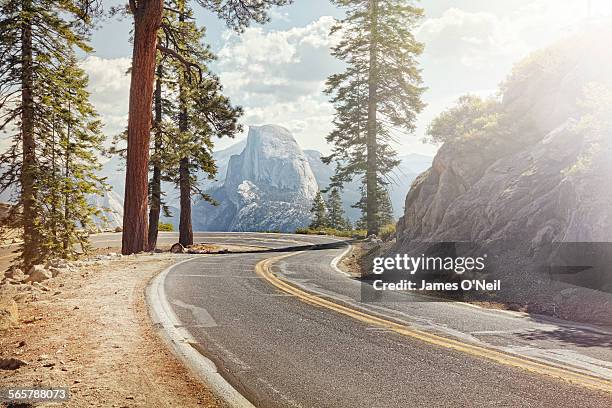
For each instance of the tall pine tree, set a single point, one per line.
(68, 162)
(201, 111)
(148, 19)
(37, 41)
(377, 95)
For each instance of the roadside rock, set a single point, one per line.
(177, 249)
(39, 274)
(11, 363)
(16, 275)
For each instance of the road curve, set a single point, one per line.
(282, 351)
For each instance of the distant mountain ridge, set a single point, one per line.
(272, 152)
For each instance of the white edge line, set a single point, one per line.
(336, 260)
(178, 339)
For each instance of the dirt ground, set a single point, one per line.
(91, 332)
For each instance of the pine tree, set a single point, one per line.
(68, 162)
(384, 214)
(148, 19)
(336, 217)
(202, 112)
(379, 93)
(37, 39)
(155, 192)
(385, 209)
(319, 213)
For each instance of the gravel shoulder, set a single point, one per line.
(88, 329)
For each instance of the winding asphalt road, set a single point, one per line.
(291, 332)
(287, 329)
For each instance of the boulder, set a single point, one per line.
(16, 275)
(177, 249)
(11, 363)
(56, 271)
(38, 273)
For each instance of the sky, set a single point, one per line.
(277, 71)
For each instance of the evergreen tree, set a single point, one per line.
(68, 162)
(202, 112)
(377, 95)
(385, 209)
(336, 217)
(319, 213)
(156, 159)
(148, 18)
(384, 215)
(37, 41)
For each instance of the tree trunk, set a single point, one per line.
(185, 228)
(371, 171)
(155, 206)
(30, 251)
(147, 20)
(67, 225)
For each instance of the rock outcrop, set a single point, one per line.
(546, 181)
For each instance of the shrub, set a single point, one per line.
(387, 232)
(166, 227)
(357, 234)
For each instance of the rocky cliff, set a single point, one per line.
(269, 186)
(542, 176)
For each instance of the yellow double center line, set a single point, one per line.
(263, 269)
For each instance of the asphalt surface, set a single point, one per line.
(282, 352)
(279, 351)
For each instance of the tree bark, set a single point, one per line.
(30, 253)
(185, 227)
(67, 225)
(147, 20)
(155, 207)
(371, 171)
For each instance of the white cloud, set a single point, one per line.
(481, 39)
(109, 85)
(278, 77)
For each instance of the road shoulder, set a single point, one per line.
(91, 332)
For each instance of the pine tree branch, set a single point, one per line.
(187, 64)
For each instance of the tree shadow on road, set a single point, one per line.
(296, 248)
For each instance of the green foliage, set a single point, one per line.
(336, 218)
(357, 233)
(44, 104)
(195, 107)
(387, 232)
(379, 92)
(595, 125)
(166, 227)
(470, 118)
(384, 215)
(68, 162)
(319, 212)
